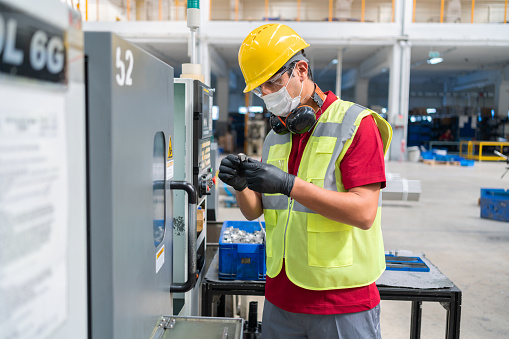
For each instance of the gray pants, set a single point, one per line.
(277, 323)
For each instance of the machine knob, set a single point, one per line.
(204, 187)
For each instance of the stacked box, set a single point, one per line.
(495, 204)
(240, 261)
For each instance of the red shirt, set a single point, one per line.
(362, 164)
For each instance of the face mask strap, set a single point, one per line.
(291, 75)
(301, 88)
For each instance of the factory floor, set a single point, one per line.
(445, 225)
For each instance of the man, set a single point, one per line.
(319, 190)
(446, 136)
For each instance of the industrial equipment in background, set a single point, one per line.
(253, 327)
(255, 136)
(398, 188)
(506, 161)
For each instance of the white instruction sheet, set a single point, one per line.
(33, 211)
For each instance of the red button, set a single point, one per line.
(214, 180)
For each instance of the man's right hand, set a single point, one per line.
(229, 172)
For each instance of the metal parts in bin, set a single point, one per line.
(199, 327)
(242, 261)
(401, 189)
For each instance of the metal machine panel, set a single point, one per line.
(193, 134)
(203, 101)
(199, 327)
(193, 119)
(130, 122)
(213, 198)
(183, 142)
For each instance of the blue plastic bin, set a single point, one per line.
(427, 155)
(495, 204)
(241, 261)
(467, 162)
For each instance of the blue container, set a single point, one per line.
(467, 162)
(427, 155)
(403, 263)
(495, 204)
(241, 261)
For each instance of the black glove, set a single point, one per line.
(229, 172)
(265, 178)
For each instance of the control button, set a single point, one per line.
(214, 180)
(204, 186)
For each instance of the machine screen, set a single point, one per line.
(207, 113)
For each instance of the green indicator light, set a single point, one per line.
(193, 4)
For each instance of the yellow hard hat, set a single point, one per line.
(265, 50)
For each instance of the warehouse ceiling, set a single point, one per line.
(457, 60)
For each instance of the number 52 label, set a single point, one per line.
(124, 62)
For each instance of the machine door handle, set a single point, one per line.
(191, 236)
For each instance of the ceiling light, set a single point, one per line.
(434, 61)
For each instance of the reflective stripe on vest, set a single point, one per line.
(337, 255)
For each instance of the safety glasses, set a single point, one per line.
(273, 84)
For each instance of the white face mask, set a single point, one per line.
(280, 103)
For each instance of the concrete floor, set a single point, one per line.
(445, 224)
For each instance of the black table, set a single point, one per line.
(393, 285)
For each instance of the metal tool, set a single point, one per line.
(242, 157)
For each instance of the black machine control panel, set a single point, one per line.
(203, 101)
(205, 175)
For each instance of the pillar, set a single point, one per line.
(141, 10)
(502, 94)
(339, 72)
(399, 88)
(223, 94)
(204, 58)
(361, 91)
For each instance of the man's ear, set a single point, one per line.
(302, 70)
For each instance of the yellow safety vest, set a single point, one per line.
(321, 254)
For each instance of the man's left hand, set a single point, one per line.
(266, 178)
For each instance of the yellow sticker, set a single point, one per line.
(170, 152)
(159, 259)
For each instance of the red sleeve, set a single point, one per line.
(364, 163)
